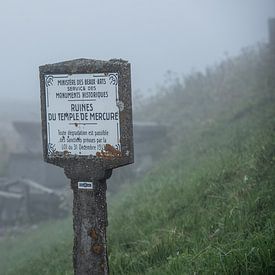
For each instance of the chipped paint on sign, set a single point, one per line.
(109, 152)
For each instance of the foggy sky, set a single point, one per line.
(154, 35)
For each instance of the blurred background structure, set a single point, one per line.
(32, 190)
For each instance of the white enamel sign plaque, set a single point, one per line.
(82, 113)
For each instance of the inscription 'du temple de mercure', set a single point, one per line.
(82, 113)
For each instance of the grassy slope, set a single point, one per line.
(45, 250)
(209, 205)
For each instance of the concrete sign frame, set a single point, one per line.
(108, 157)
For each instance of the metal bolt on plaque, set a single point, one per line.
(87, 129)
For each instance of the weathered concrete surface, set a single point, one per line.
(89, 207)
(85, 66)
(89, 222)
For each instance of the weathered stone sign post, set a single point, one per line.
(87, 129)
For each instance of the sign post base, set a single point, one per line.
(89, 223)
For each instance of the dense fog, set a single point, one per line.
(202, 94)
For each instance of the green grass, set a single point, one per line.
(42, 250)
(208, 207)
(217, 217)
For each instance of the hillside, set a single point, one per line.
(208, 206)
